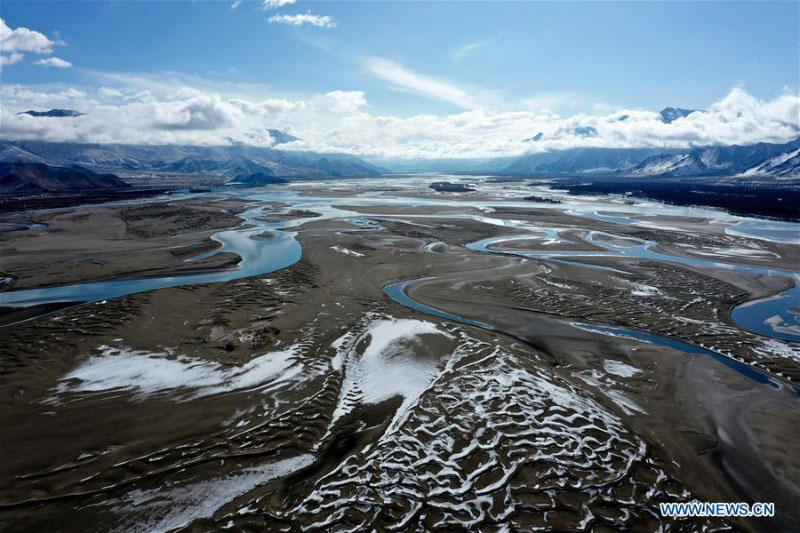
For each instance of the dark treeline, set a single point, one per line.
(24, 202)
(446, 186)
(762, 199)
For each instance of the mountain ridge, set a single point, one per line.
(731, 160)
(226, 161)
(761, 159)
(53, 113)
(33, 178)
(757, 160)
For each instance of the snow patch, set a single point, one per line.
(345, 251)
(619, 369)
(775, 349)
(146, 374)
(389, 365)
(174, 506)
(607, 386)
(640, 289)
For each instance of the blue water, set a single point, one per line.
(14, 226)
(282, 252)
(397, 293)
(738, 366)
(758, 316)
(753, 316)
(260, 256)
(257, 255)
(786, 232)
(769, 230)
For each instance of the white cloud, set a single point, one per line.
(166, 85)
(53, 61)
(563, 103)
(109, 92)
(322, 21)
(405, 78)
(269, 106)
(345, 101)
(14, 42)
(470, 48)
(24, 40)
(236, 4)
(171, 109)
(274, 4)
(10, 59)
(200, 113)
(466, 50)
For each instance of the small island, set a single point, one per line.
(258, 179)
(542, 199)
(446, 186)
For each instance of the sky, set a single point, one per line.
(402, 79)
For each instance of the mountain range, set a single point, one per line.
(762, 159)
(223, 161)
(598, 161)
(757, 160)
(228, 162)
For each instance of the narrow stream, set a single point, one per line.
(397, 293)
(773, 317)
(258, 256)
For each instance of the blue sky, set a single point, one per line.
(440, 58)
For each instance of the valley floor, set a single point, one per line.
(539, 368)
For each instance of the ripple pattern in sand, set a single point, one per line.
(495, 442)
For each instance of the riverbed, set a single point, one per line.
(290, 352)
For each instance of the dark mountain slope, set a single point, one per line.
(583, 160)
(54, 113)
(30, 178)
(724, 161)
(225, 161)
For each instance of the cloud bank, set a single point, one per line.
(166, 109)
(321, 21)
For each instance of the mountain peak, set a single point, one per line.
(281, 137)
(537, 137)
(57, 113)
(585, 131)
(669, 114)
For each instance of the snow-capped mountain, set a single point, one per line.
(281, 137)
(762, 159)
(208, 160)
(786, 165)
(670, 114)
(584, 161)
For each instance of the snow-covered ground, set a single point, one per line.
(144, 374)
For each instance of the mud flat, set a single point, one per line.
(304, 397)
(95, 242)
